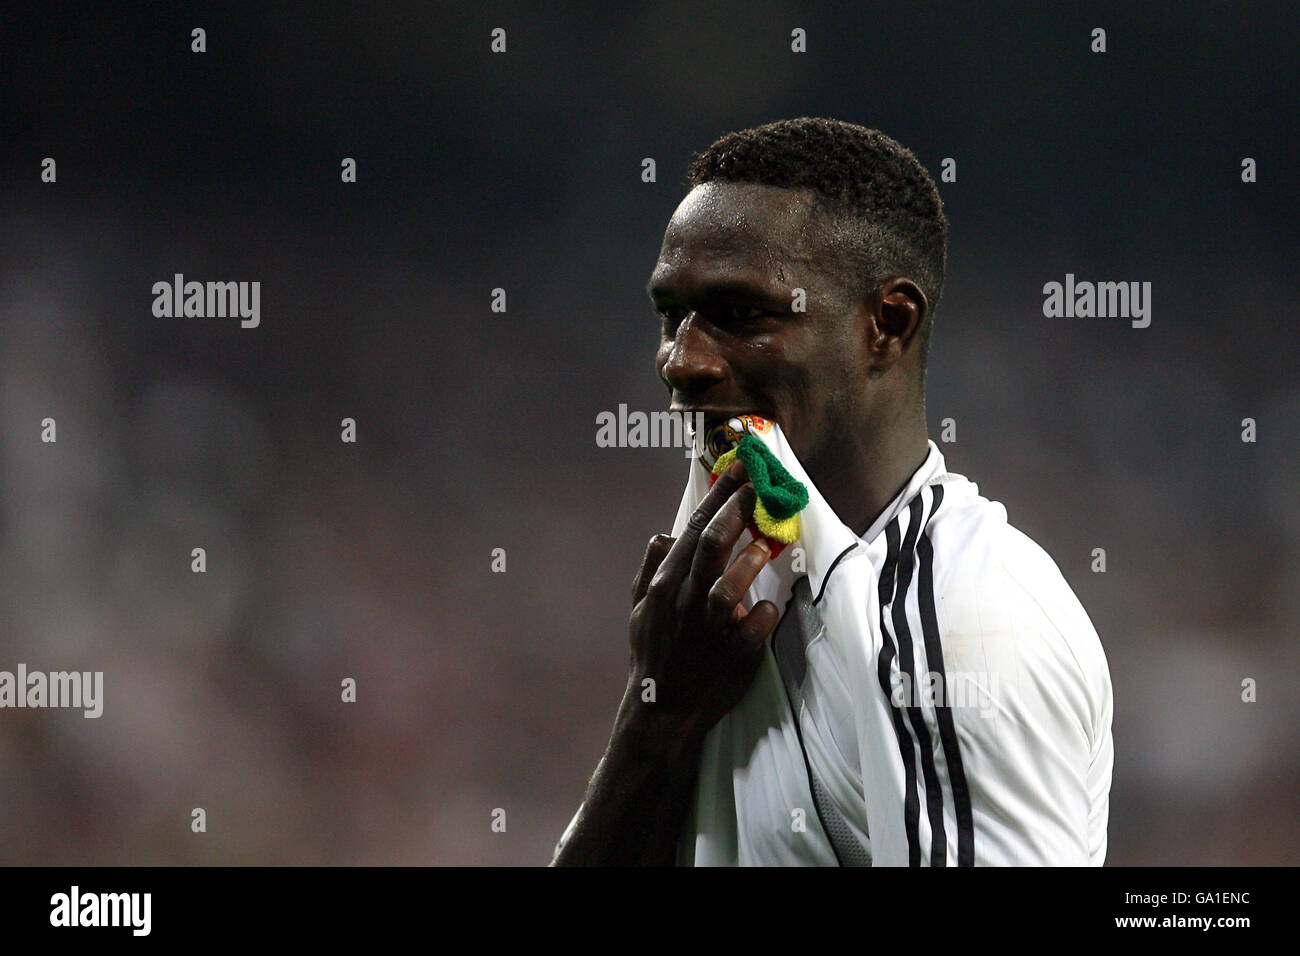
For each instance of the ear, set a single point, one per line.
(898, 310)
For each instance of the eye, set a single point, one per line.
(744, 313)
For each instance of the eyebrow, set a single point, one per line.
(732, 289)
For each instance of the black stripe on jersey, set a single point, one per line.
(907, 662)
(883, 664)
(943, 712)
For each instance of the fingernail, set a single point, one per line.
(767, 548)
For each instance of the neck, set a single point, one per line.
(867, 473)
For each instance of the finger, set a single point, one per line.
(727, 591)
(678, 562)
(718, 540)
(655, 553)
(756, 626)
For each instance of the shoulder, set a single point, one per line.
(1003, 604)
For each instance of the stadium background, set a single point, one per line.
(476, 429)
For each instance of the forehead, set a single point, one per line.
(730, 227)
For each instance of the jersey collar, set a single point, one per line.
(932, 467)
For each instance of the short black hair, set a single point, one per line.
(884, 211)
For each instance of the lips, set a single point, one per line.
(712, 416)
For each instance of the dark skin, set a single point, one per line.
(842, 378)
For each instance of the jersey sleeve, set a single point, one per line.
(1034, 724)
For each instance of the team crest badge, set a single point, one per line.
(781, 496)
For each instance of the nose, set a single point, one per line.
(693, 363)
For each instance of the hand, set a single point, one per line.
(688, 630)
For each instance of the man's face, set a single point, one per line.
(731, 340)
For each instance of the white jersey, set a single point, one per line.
(935, 695)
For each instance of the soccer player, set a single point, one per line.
(912, 682)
